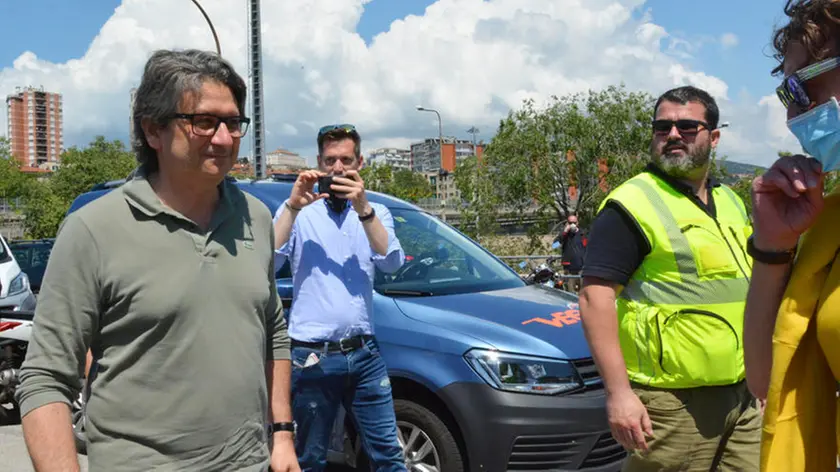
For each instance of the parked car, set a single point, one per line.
(15, 292)
(32, 256)
(489, 373)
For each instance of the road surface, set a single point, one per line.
(14, 458)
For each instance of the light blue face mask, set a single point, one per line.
(818, 131)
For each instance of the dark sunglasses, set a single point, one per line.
(205, 124)
(792, 89)
(348, 128)
(683, 126)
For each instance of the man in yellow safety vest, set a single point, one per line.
(664, 286)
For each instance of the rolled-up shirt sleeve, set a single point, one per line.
(66, 318)
(277, 333)
(282, 254)
(394, 256)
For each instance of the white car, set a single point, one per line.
(15, 292)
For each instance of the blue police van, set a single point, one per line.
(488, 372)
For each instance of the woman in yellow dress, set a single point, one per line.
(792, 320)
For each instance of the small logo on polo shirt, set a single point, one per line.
(248, 244)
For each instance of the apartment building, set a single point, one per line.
(430, 156)
(283, 159)
(398, 159)
(443, 183)
(35, 126)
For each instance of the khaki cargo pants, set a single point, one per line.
(700, 429)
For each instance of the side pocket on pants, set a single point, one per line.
(661, 399)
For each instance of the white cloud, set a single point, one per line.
(757, 132)
(472, 60)
(728, 40)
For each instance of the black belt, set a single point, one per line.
(343, 345)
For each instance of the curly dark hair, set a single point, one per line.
(813, 23)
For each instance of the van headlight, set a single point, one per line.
(524, 374)
(19, 284)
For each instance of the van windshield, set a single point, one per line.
(441, 261)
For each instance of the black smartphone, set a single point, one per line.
(335, 202)
(324, 183)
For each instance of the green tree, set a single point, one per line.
(43, 212)
(403, 183)
(411, 186)
(475, 184)
(377, 177)
(80, 169)
(742, 187)
(586, 141)
(14, 184)
(46, 202)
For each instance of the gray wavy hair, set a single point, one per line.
(169, 75)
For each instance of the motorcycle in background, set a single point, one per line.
(543, 274)
(15, 330)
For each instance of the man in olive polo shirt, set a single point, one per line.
(169, 280)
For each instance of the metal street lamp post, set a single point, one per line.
(440, 130)
(212, 29)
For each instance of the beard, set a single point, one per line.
(692, 163)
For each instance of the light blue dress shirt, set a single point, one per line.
(333, 267)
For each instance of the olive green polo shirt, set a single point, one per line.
(181, 322)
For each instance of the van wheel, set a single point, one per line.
(427, 444)
(426, 441)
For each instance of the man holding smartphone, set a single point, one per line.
(335, 239)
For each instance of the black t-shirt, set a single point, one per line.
(574, 249)
(617, 245)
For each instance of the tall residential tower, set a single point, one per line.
(35, 126)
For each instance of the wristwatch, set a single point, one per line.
(368, 216)
(286, 426)
(769, 257)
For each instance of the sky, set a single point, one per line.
(370, 62)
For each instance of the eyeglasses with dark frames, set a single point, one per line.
(661, 127)
(207, 124)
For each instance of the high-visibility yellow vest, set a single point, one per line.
(681, 314)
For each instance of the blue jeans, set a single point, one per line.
(357, 379)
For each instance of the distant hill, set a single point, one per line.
(736, 168)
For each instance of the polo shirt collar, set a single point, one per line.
(139, 194)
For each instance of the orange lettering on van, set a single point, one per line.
(558, 319)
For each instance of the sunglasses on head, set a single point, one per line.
(348, 128)
(683, 126)
(792, 89)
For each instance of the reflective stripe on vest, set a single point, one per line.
(690, 290)
(681, 314)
